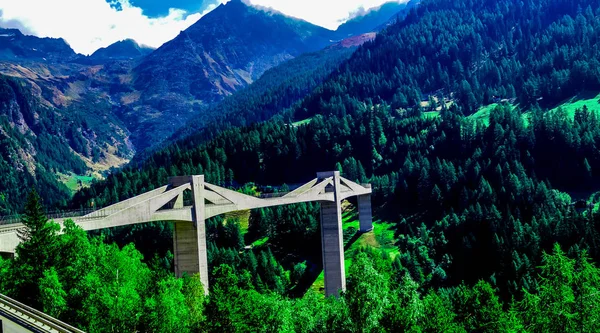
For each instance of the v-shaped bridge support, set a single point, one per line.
(329, 188)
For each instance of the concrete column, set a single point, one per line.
(332, 239)
(185, 246)
(199, 214)
(365, 215)
(189, 240)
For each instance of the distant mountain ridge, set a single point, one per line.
(14, 45)
(226, 50)
(121, 50)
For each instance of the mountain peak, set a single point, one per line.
(14, 45)
(226, 50)
(121, 50)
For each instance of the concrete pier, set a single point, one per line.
(200, 226)
(365, 215)
(185, 249)
(189, 239)
(332, 239)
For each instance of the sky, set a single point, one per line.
(91, 24)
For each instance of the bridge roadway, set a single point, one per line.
(189, 239)
(16, 317)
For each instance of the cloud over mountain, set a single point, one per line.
(90, 24)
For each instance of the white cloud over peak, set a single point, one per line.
(88, 25)
(326, 13)
(91, 24)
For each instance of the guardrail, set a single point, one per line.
(79, 214)
(32, 319)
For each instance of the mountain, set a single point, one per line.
(39, 142)
(462, 133)
(224, 51)
(103, 108)
(371, 20)
(156, 93)
(122, 50)
(16, 46)
(275, 91)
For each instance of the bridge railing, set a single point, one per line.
(83, 213)
(10, 219)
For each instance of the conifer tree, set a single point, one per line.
(37, 251)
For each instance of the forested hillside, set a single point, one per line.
(473, 53)
(39, 141)
(494, 215)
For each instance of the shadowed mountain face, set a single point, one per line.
(228, 48)
(16, 46)
(224, 51)
(122, 50)
(39, 141)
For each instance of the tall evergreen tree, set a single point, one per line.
(37, 251)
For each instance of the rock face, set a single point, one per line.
(122, 50)
(16, 46)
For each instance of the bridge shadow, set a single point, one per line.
(348, 244)
(316, 269)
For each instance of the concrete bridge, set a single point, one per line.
(189, 240)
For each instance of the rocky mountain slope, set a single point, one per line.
(224, 51)
(16, 46)
(39, 141)
(99, 110)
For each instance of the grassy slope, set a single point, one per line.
(302, 122)
(589, 99)
(75, 182)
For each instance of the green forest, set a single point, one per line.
(102, 287)
(487, 182)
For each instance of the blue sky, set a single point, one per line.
(90, 24)
(154, 8)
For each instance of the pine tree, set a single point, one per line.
(36, 252)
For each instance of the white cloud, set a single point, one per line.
(326, 13)
(90, 24)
